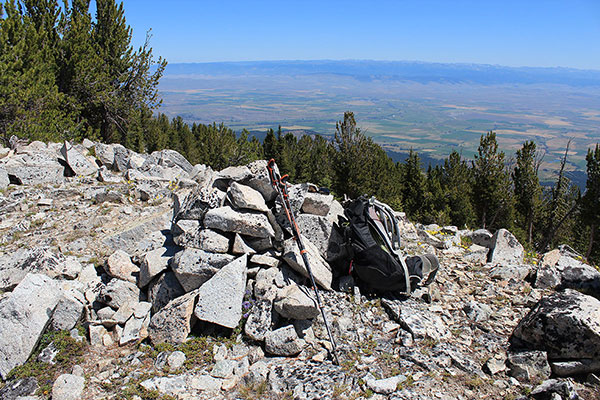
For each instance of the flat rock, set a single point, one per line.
(235, 173)
(245, 223)
(317, 203)
(283, 342)
(69, 310)
(515, 272)
(244, 197)
(260, 320)
(565, 324)
(4, 179)
(417, 319)
(189, 233)
(482, 237)
(68, 387)
(135, 239)
(105, 153)
(293, 302)
(386, 385)
(576, 367)
(16, 265)
(506, 249)
(528, 366)
(167, 385)
(37, 168)
(554, 389)
(220, 298)
(173, 323)
(319, 267)
(476, 254)
(169, 159)
(24, 315)
(193, 267)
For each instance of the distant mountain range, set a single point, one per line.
(367, 70)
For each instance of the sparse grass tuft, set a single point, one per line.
(253, 391)
(70, 352)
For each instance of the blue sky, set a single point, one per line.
(514, 33)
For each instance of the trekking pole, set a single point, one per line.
(280, 183)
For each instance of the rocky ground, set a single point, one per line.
(125, 275)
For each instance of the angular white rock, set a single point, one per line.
(220, 298)
(244, 197)
(245, 223)
(24, 315)
(319, 267)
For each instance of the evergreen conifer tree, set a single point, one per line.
(457, 182)
(527, 188)
(591, 203)
(491, 189)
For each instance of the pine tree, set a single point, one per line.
(270, 145)
(591, 203)
(457, 182)
(528, 191)
(413, 191)
(491, 190)
(435, 208)
(30, 102)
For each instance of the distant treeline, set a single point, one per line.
(67, 76)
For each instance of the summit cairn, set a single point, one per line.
(123, 272)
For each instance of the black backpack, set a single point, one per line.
(372, 238)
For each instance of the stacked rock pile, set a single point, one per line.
(185, 251)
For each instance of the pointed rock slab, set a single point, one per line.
(77, 161)
(193, 267)
(244, 197)
(164, 289)
(24, 315)
(153, 263)
(259, 180)
(241, 247)
(506, 249)
(220, 298)
(245, 223)
(319, 267)
(173, 323)
(565, 324)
